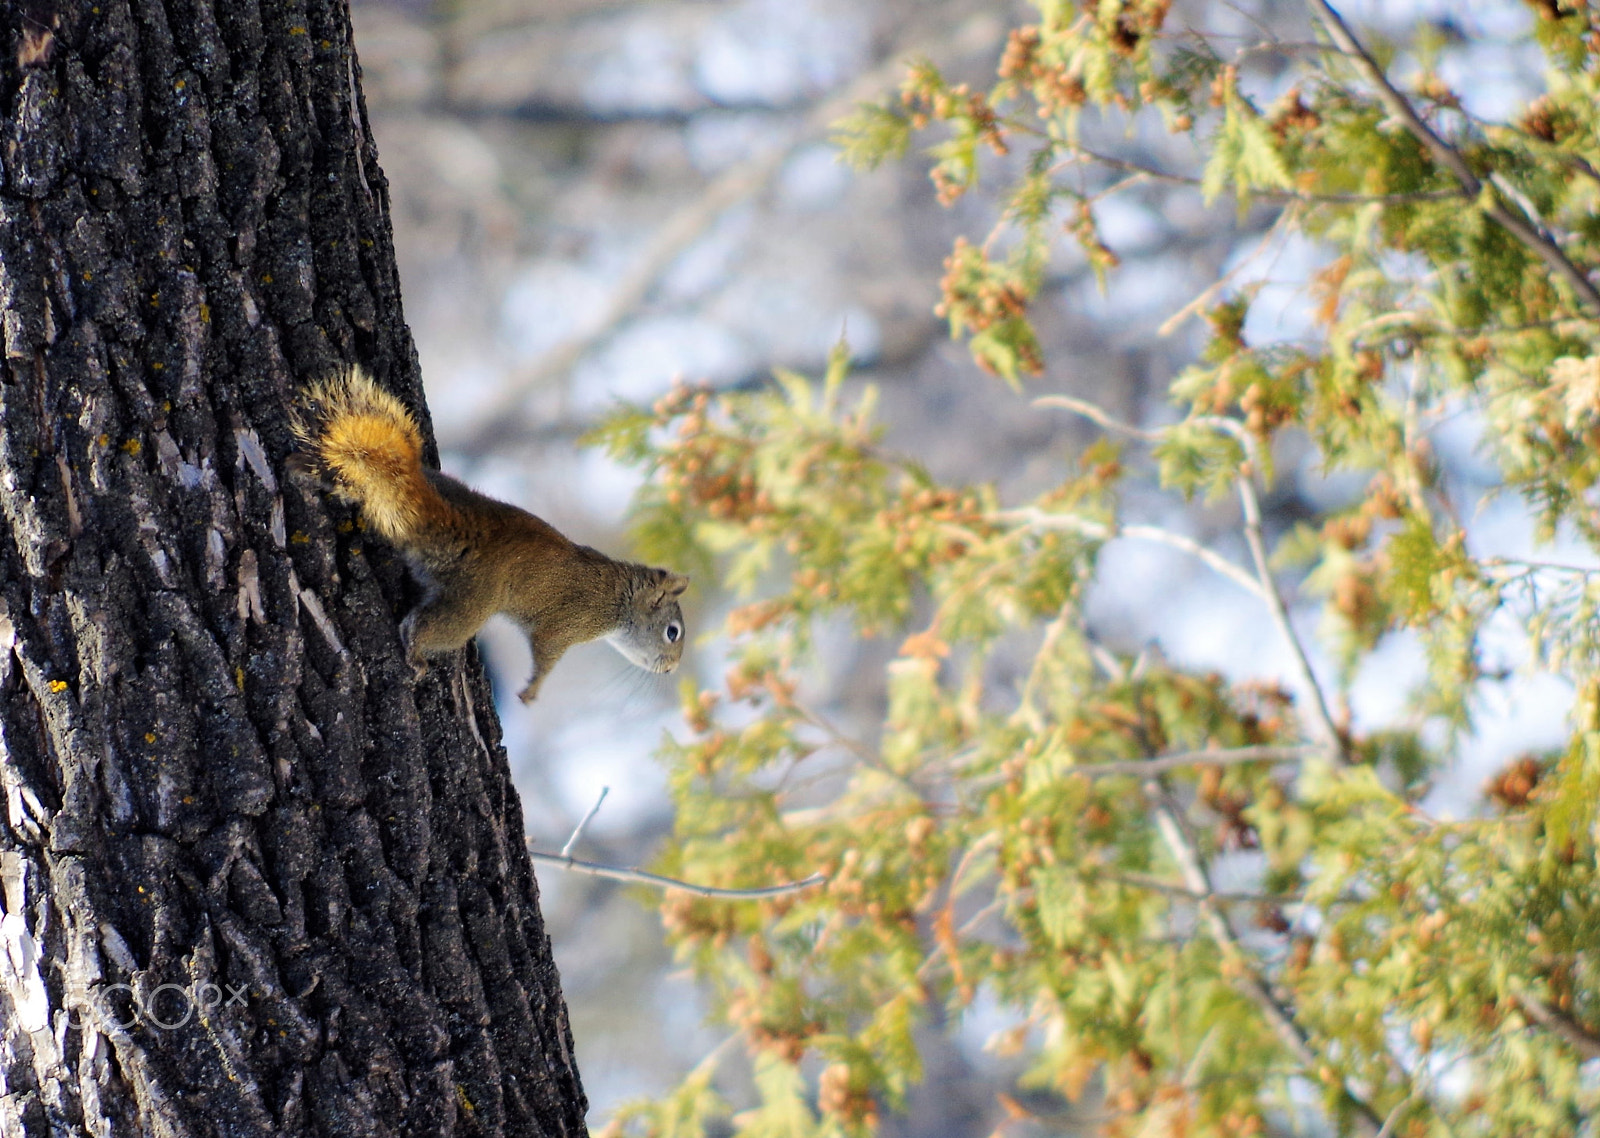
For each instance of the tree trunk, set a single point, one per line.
(256, 880)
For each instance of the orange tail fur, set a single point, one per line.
(369, 444)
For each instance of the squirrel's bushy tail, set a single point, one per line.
(367, 441)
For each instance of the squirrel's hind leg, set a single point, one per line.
(443, 622)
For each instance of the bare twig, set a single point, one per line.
(577, 831)
(1523, 229)
(864, 754)
(641, 877)
(1519, 566)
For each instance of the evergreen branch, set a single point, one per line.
(1564, 1027)
(1101, 531)
(1175, 889)
(642, 877)
(1242, 971)
(1152, 173)
(1245, 977)
(1262, 584)
(1581, 164)
(1390, 1122)
(1148, 768)
(1523, 229)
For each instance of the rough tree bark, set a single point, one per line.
(255, 879)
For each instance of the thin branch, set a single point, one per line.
(937, 953)
(1244, 974)
(577, 831)
(1524, 230)
(641, 877)
(1156, 885)
(1052, 635)
(983, 845)
(1208, 294)
(1100, 531)
(1581, 164)
(1521, 566)
(971, 924)
(865, 755)
(1580, 1038)
(1099, 417)
(1393, 1120)
(1148, 768)
(1153, 174)
(838, 738)
(1261, 584)
(1322, 718)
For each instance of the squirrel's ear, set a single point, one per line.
(674, 585)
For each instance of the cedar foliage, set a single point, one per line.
(1389, 971)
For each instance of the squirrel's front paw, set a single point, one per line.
(531, 692)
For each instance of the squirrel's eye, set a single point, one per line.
(672, 632)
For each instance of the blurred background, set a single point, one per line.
(595, 197)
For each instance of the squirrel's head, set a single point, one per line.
(652, 631)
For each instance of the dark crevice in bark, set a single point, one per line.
(273, 885)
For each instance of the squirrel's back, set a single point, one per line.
(476, 556)
(367, 441)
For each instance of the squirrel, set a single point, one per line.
(476, 556)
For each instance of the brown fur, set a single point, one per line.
(478, 556)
